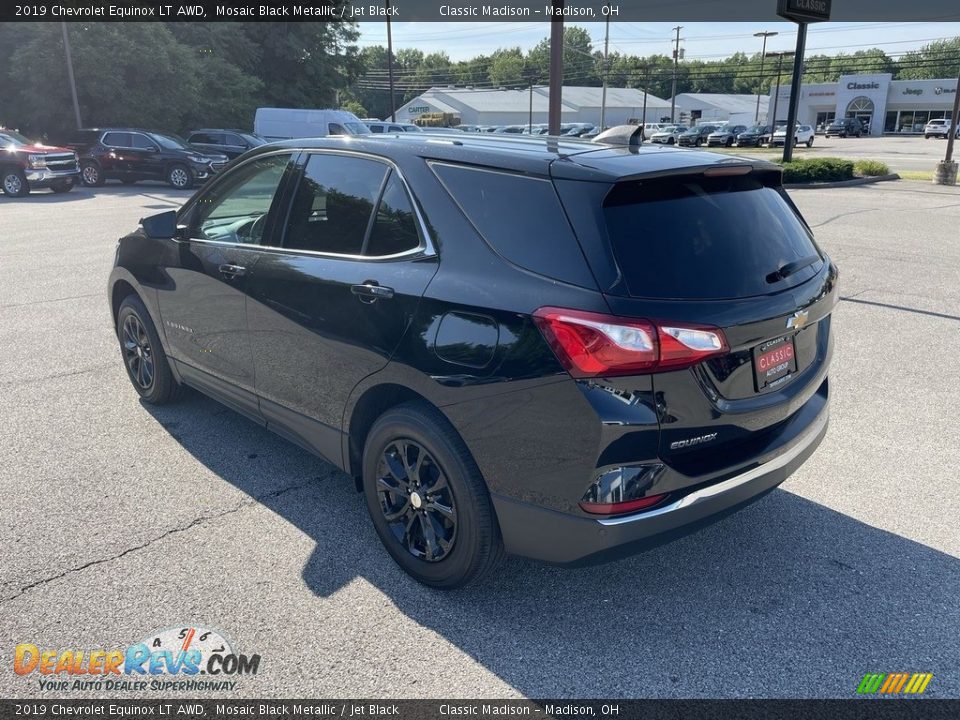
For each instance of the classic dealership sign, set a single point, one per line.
(804, 11)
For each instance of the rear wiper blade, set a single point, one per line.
(788, 269)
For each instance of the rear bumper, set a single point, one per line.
(564, 539)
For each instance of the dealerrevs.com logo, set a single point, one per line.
(187, 658)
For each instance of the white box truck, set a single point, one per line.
(286, 123)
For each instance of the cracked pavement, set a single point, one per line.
(118, 519)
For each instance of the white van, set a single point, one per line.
(286, 123)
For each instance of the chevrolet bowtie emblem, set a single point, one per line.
(798, 319)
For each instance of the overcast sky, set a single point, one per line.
(707, 41)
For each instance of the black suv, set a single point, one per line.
(232, 143)
(844, 127)
(550, 383)
(129, 155)
(695, 136)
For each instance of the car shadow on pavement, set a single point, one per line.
(787, 598)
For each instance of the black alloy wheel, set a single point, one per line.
(416, 500)
(427, 499)
(143, 355)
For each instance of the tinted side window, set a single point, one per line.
(333, 203)
(376, 128)
(205, 138)
(395, 225)
(235, 210)
(117, 139)
(142, 142)
(336, 129)
(520, 218)
(231, 139)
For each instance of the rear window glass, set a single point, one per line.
(707, 238)
(521, 218)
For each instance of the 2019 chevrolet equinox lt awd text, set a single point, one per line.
(536, 346)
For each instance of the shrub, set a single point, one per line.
(870, 168)
(810, 170)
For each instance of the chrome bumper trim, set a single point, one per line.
(805, 440)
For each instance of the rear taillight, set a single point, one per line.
(621, 508)
(593, 344)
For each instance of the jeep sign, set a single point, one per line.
(804, 11)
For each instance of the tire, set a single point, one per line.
(14, 182)
(698, 142)
(809, 142)
(729, 142)
(671, 141)
(467, 545)
(90, 174)
(926, 137)
(64, 186)
(143, 356)
(179, 177)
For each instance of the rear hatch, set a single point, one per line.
(723, 247)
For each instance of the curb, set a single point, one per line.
(842, 183)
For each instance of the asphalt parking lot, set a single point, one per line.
(901, 154)
(118, 519)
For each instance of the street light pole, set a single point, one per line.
(794, 92)
(763, 55)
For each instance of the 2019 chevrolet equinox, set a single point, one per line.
(537, 346)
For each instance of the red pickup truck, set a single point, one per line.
(25, 165)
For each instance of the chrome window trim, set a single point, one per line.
(426, 248)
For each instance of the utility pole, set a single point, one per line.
(646, 81)
(556, 68)
(946, 172)
(606, 72)
(530, 119)
(73, 82)
(795, 92)
(676, 61)
(763, 55)
(772, 121)
(393, 106)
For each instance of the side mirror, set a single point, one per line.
(160, 226)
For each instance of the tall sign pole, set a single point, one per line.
(556, 68)
(794, 92)
(393, 105)
(946, 172)
(802, 12)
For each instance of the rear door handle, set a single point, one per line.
(232, 271)
(371, 291)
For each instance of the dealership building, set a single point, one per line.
(890, 106)
(482, 106)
